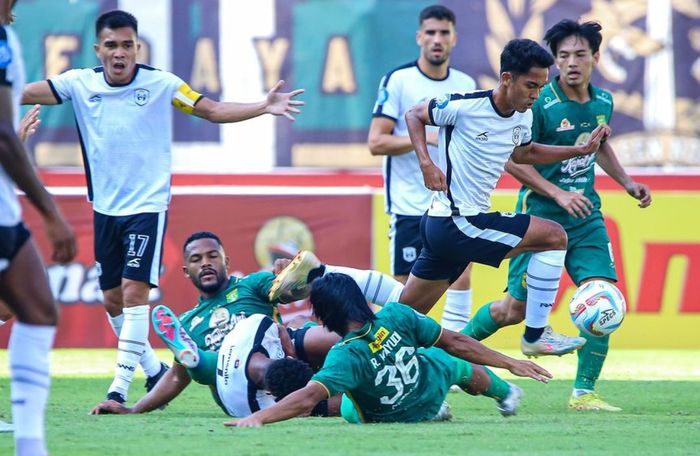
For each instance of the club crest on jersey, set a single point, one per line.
(409, 254)
(442, 101)
(565, 125)
(232, 296)
(600, 118)
(141, 96)
(516, 135)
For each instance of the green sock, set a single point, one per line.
(205, 371)
(498, 389)
(591, 358)
(482, 324)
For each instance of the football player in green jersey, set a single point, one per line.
(223, 302)
(566, 112)
(383, 368)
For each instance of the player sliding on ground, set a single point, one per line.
(382, 363)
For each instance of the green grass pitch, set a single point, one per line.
(658, 390)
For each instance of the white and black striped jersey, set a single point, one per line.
(11, 74)
(475, 143)
(400, 90)
(237, 393)
(125, 134)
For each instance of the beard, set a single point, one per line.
(211, 287)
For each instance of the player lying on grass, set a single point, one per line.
(224, 302)
(383, 368)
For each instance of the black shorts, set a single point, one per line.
(451, 243)
(12, 238)
(404, 242)
(129, 246)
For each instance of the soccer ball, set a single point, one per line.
(597, 308)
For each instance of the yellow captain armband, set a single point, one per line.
(185, 98)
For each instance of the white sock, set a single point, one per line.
(458, 307)
(543, 274)
(29, 348)
(149, 361)
(133, 338)
(377, 287)
(580, 392)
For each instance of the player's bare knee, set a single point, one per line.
(556, 236)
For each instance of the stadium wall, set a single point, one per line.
(260, 217)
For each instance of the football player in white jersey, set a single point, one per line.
(479, 132)
(406, 199)
(123, 113)
(24, 286)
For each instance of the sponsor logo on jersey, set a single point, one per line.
(565, 125)
(134, 263)
(195, 321)
(219, 316)
(379, 337)
(232, 296)
(578, 165)
(5, 54)
(600, 118)
(483, 136)
(141, 96)
(409, 254)
(95, 98)
(382, 95)
(442, 101)
(516, 135)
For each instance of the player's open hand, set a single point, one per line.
(639, 191)
(434, 178)
(62, 238)
(110, 407)
(598, 135)
(29, 123)
(523, 368)
(250, 421)
(576, 204)
(279, 265)
(282, 103)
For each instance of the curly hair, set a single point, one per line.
(286, 375)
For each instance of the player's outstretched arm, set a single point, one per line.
(462, 346)
(168, 388)
(16, 163)
(276, 103)
(39, 93)
(535, 153)
(300, 402)
(416, 119)
(611, 165)
(576, 204)
(381, 139)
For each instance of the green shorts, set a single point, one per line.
(589, 254)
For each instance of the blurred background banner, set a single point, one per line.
(256, 229)
(337, 50)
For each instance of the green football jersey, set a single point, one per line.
(384, 372)
(212, 318)
(559, 121)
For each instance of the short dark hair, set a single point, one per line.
(337, 300)
(200, 235)
(116, 19)
(521, 54)
(439, 12)
(286, 375)
(567, 27)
